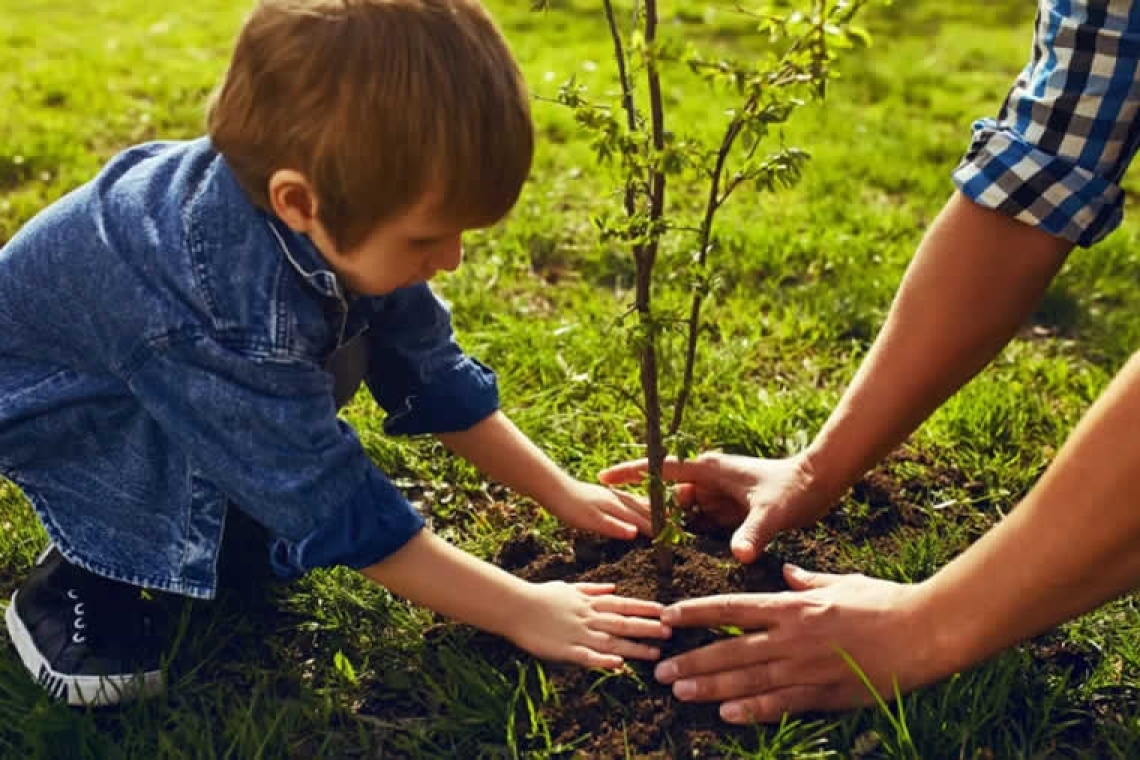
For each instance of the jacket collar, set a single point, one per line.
(306, 259)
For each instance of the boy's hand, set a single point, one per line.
(584, 624)
(598, 509)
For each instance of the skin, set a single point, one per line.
(409, 247)
(580, 623)
(1069, 546)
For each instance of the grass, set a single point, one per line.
(807, 276)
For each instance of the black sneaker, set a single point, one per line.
(88, 640)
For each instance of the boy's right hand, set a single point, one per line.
(583, 623)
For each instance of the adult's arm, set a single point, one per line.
(1070, 545)
(975, 279)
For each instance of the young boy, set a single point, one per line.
(177, 334)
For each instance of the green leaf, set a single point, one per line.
(344, 667)
(859, 35)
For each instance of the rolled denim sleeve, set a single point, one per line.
(357, 535)
(1054, 156)
(265, 431)
(418, 373)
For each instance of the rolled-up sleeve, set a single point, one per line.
(419, 374)
(1054, 156)
(265, 432)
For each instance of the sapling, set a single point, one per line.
(792, 52)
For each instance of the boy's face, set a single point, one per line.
(409, 247)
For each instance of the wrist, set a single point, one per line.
(824, 474)
(943, 641)
(513, 611)
(554, 489)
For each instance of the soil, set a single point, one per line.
(637, 717)
(627, 715)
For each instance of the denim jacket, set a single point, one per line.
(163, 345)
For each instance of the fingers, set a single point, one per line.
(744, 610)
(615, 645)
(802, 580)
(613, 527)
(632, 510)
(624, 605)
(771, 707)
(581, 655)
(601, 650)
(630, 627)
(595, 589)
(673, 469)
(722, 656)
(733, 684)
(754, 535)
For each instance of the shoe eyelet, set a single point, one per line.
(78, 638)
(72, 594)
(80, 623)
(78, 608)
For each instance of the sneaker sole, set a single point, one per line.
(77, 691)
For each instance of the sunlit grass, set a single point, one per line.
(807, 277)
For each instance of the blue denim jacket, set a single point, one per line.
(162, 354)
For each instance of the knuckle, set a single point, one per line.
(727, 606)
(710, 461)
(772, 707)
(703, 688)
(756, 678)
(817, 611)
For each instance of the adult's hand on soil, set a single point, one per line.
(787, 658)
(760, 497)
(585, 624)
(612, 513)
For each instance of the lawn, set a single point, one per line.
(330, 666)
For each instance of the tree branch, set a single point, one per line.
(712, 204)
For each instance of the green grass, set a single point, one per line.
(808, 276)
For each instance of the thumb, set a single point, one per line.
(753, 535)
(802, 580)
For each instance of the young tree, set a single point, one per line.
(796, 49)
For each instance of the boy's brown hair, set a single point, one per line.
(376, 102)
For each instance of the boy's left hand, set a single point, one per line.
(598, 509)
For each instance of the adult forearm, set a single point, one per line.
(976, 276)
(1072, 544)
(433, 573)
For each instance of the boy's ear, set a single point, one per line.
(293, 199)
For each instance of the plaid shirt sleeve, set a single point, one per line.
(1054, 156)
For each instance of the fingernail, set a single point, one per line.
(666, 672)
(685, 689)
(732, 713)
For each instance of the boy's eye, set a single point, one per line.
(423, 242)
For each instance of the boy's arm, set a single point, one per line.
(419, 374)
(502, 452)
(578, 623)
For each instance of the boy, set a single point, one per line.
(176, 337)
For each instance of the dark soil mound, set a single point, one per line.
(626, 714)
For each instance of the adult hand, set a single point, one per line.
(787, 660)
(760, 497)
